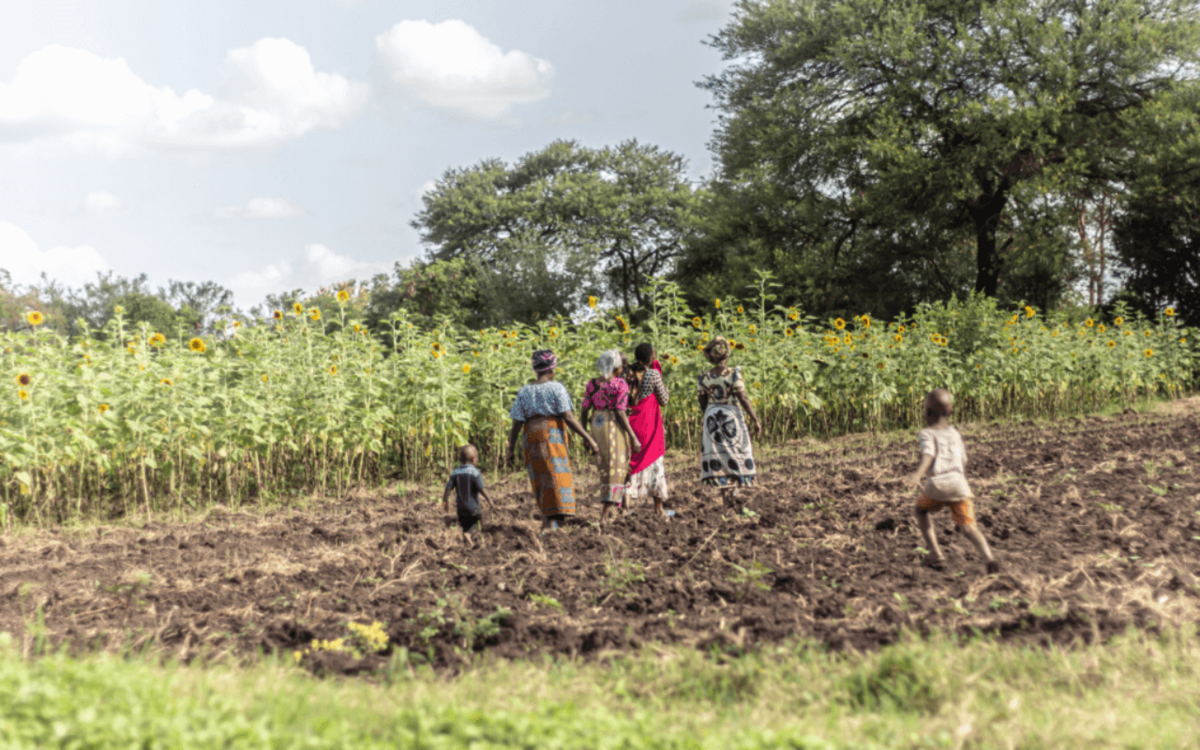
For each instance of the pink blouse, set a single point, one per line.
(600, 395)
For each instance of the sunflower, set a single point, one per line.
(739, 345)
(297, 308)
(788, 332)
(753, 330)
(277, 315)
(24, 379)
(674, 360)
(131, 349)
(591, 302)
(880, 366)
(357, 328)
(103, 408)
(35, 318)
(265, 378)
(166, 381)
(1169, 312)
(839, 324)
(197, 345)
(553, 333)
(1149, 352)
(466, 369)
(704, 337)
(23, 395)
(1111, 344)
(696, 322)
(901, 329)
(1148, 333)
(740, 310)
(1029, 311)
(717, 303)
(793, 315)
(333, 369)
(898, 338)
(1101, 328)
(437, 353)
(314, 313)
(847, 339)
(865, 321)
(158, 339)
(343, 297)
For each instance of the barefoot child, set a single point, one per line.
(944, 458)
(466, 482)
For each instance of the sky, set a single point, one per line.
(270, 145)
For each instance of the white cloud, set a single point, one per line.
(21, 257)
(453, 68)
(420, 192)
(317, 266)
(272, 93)
(705, 10)
(572, 118)
(260, 209)
(100, 203)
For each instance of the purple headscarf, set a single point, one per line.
(544, 361)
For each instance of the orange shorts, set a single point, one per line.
(962, 511)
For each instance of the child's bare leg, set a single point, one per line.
(658, 507)
(981, 545)
(606, 512)
(925, 524)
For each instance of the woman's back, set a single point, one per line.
(541, 400)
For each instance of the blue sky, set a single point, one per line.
(273, 145)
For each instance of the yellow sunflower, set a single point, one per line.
(1111, 344)
(197, 345)
(158, 339)
(466, 369)
(1149, 352)
(591, 302)
(865, 321)
(839, 324)
(1118, 322)
(793, 315)
(717, 303)
(103, 408)
(740, 310)
(1169, 312)
(1029, 311)
(753, 330)
(277, 315)
(1089, 322)
(898, 338)
(265, 378)
(166, 381)
(343, 297)
(314, 314)
(333, 369)
(1101, 328)
(297, 308)
(697, 322)
(24, 379)
(23, 395)
(788, 332)
(35, 318)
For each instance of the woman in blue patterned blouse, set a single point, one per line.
(544, 411)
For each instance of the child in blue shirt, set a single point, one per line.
(466, 481)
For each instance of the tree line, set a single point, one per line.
(871, 154)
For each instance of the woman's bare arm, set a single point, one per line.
(633, 441)
(513, 434)
(574, 426)
(747, 407)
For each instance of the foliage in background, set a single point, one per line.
(316, 401)
(877, 154)
(539, 237)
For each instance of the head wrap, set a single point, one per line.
(608, 361)
(717, 350)
(544, 361)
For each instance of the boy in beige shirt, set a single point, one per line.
(944, 459)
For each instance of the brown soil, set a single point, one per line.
(1095, 520)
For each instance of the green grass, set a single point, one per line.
(1137, 691)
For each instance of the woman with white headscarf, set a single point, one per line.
(605, 401)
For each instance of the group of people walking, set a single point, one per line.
(622, 424)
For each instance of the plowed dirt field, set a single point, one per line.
(1096, 520)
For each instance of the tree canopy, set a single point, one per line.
(561, 224)
(888, 151)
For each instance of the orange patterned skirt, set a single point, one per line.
(547, 465)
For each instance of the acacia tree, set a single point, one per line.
(926, 120)
(561, 224)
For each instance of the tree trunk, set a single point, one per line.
(985, 213)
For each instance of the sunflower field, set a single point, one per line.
(125, 419)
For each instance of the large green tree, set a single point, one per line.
(899, 138)
(541, 235)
